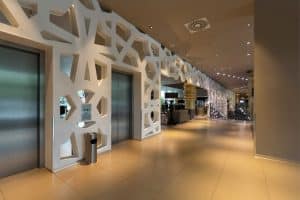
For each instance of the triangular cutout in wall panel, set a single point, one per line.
(29, 8)
(87, 76)
(6, 17)
(87, 22)
(69, 148)
(119, 47)
(68, 65)
(66, 21)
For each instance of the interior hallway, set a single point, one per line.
(207, 160)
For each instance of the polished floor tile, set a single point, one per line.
(205, 160)
(36, 185)
(283, 180)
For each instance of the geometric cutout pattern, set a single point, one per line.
(87, 75)
(85, 95)
(87, 22)
(102, 106)
(29, 8)
(123, 31)
(66, 106)
(86, 124)
(130, 60)
(81, 32)
(68, 65)
(66, 21)
(69, 148)
(141, 49)
(101, 70)
(6, 17)
(119, 48)
(101, 38)
(155, 50)
(150, 71)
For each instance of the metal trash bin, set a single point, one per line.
(91, 148)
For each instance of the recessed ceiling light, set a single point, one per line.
(248, 43)
(150, 26)
(197, 25)
(249, 25)
(248, 54)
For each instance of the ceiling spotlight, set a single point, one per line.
(197, 25)
(248, 43)
(224, 74)
(247, 79)
(218, 73)
(249, 25)
(229, 75)
(150, 26)
(248, 54)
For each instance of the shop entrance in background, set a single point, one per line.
(202, 103)
(181, 102)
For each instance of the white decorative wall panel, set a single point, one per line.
(86, 43)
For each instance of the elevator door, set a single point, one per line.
(19, 108)
(121, 107)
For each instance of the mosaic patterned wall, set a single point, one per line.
(86, 44)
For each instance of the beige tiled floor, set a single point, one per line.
(205, 160)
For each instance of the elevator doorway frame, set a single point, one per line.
(43, 52)
(136, 92)
(130, 77)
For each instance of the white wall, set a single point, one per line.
(277, 79)
(132, 51)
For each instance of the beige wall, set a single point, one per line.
(277, 79)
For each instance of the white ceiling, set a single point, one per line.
(223, 48)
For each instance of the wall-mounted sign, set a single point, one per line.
(86, 112)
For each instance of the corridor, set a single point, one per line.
(204, 160)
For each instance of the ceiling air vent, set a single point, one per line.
(197, 25)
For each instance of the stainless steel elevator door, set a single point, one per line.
(121, 107)
(19, 109)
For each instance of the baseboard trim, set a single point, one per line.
(276, 159)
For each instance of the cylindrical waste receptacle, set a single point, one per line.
(91, 148)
